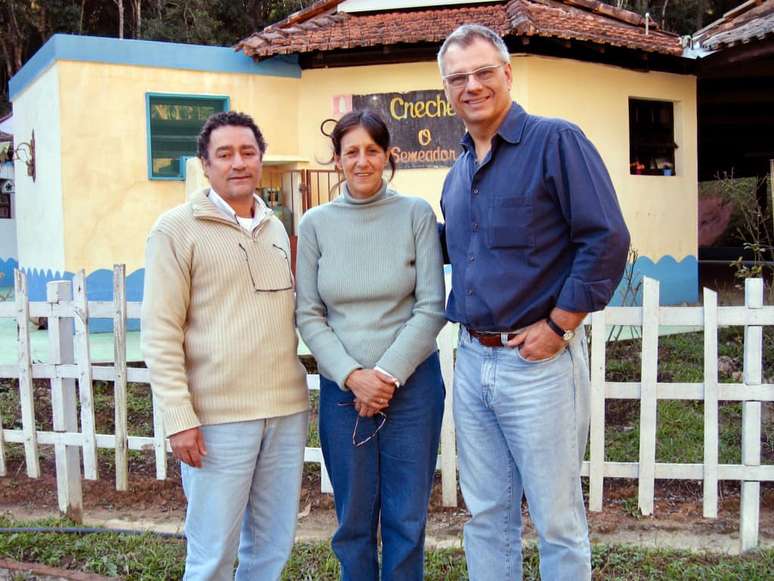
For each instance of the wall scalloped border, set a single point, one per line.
(7, 267)
(99, 287)
(679, 279)
(679, 283)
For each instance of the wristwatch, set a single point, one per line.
(565, 334)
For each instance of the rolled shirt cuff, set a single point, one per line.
(578, 296)
(395, 380)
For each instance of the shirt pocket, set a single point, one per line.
(510, 220)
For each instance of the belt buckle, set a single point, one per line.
(504, 339)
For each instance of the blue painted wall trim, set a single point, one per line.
(147, 53)
(679, 284)
(99, 287)
(6, 268)
(679, 280)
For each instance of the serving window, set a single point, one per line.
(651, 137)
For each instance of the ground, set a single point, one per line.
(150, 503)
(677, 521)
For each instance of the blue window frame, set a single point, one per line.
(173, 124)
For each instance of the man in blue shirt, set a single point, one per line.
(536, 240)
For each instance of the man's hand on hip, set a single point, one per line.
(537, 342)
(188, 446)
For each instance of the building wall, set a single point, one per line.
(39, 204)
(93, 203)
(110, 204)
(661, 212)
(8, 246)
(320, 86)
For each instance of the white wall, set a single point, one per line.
(39, 214)
(8, 247)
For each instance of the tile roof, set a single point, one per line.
(321, 28)
(753, 20)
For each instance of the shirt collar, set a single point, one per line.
(261, 210)
(510, 130)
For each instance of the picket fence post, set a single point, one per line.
(64, 403)
(751, 418)
(648, 401)
(26, 387)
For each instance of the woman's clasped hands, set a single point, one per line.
(373, 390)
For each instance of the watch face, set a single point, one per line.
(568, 335)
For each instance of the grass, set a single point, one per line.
(148, 557)
(680, 428)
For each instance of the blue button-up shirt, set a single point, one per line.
(535, 225)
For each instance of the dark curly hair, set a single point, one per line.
(221, 120)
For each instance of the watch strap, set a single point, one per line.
(556, 328)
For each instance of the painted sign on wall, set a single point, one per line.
(424, 130)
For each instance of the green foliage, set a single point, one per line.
(25, 25)
(148, 557)
(680, 428)
(680, 16)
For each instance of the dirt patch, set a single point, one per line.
(150, 503)
(13, 570)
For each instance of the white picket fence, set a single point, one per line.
(69, 363)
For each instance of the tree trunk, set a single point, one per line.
(663, 14)
(13, 42)
(120, 4)
(699, 14)
(137, 11)
(80, 20)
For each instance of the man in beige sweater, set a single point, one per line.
(219, 340)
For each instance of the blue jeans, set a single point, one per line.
(245, 494)
(388, 479)
(521, 429)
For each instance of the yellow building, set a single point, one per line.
(114, 121)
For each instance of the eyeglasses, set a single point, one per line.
(482, 75)
(252, 277)
(382, 419)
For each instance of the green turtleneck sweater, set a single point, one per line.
(369, 284)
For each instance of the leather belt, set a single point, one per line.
(492, 339)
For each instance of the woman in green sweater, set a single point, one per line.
(370, 298)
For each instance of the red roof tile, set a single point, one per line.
(753, 20)
(321, 28)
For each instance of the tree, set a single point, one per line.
(120, 5)
(683, 17)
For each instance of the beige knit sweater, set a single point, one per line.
(218, 350)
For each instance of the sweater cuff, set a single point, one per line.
(180, 418)
(341, 372)
(401, 368)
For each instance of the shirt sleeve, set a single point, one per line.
(416, 340)
(597, 228)
(442, 225)
(166, 297)
(332, 357)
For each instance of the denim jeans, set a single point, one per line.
(521, 429)
(388, 479)
(246, 494)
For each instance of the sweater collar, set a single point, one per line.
(347, 199)
(204, 208)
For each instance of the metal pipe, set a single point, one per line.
(87, 531)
